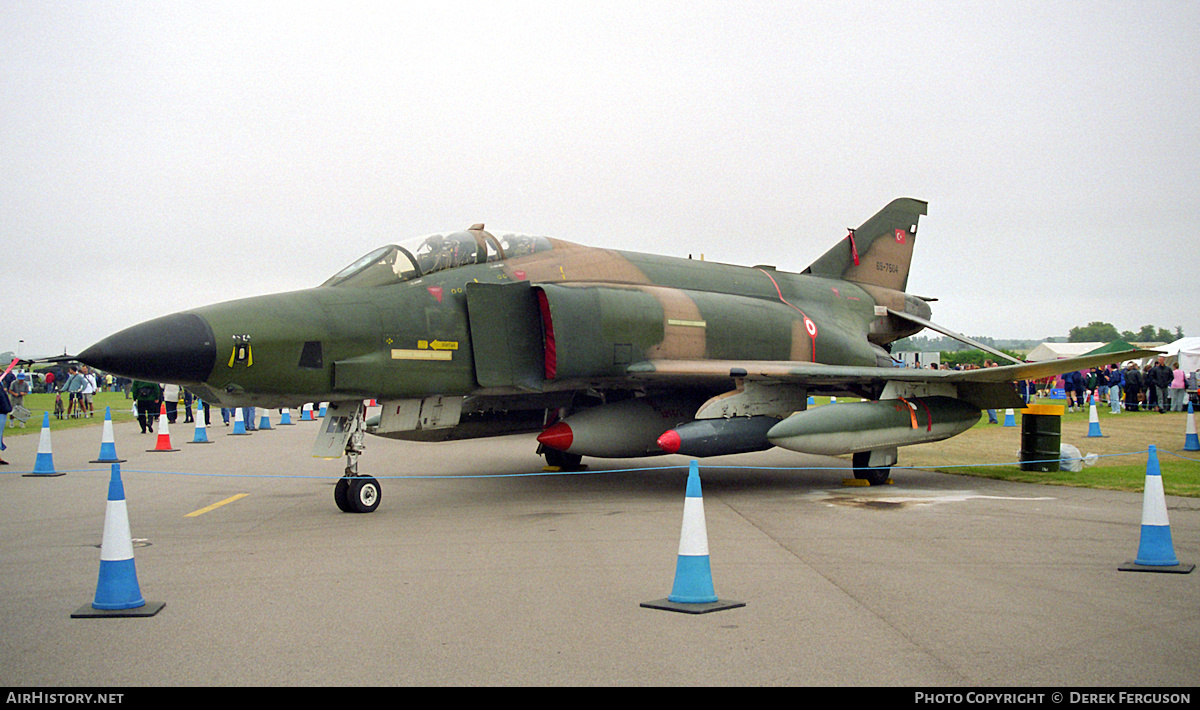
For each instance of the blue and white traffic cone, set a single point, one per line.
(43, 465)
(812, 401)
(285, 417)
(1156, 553)
(108, 444)
(239, 423)
(1093, 421)
(117, 591)
(1190, 442)
(693, 590)
(324, 405)
(264, 422)
(201, 432)
(306, 414)
(1010, 418)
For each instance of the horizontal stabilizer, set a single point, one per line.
(950, 333)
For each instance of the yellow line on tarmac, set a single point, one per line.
(214, 506)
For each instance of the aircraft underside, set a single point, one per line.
(626, 423)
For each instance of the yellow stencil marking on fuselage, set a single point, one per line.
(422, 354)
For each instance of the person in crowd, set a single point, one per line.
(17, 389)
(73, 387)
(146, 397)
(88, 391)
(1178, 387)
(1116, 380)
(171, 399)
(1133, 387)
(1160, 381)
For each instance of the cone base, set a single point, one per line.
(199, 442)
(1132, 566)
(108, 461)
(87, 611)
(155, 451)
(692, 608)
(47, 474)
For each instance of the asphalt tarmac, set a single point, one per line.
(471, 575)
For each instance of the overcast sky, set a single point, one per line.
(158, 156)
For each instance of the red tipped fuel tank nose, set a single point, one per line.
(557, 436)
(670, 442)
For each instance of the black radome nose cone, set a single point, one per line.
(175, 348)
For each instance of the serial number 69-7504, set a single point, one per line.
(887, 266)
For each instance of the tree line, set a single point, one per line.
(1100, 332)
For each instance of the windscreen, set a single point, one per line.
(428, 254)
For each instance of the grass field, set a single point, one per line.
(991, 451)
(37, 404)
(986, 450)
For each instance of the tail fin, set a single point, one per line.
(878, 252)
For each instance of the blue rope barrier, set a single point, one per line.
(681, 467)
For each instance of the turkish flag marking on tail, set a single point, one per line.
(900, 236)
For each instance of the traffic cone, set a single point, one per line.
(43, 465)
(1156, 553)
(239, 423)
(164, 435)
(285, 417)
(117, 591)
(201, 433)
(108, 445)
(264, 422)
(323, 407)
(812, 401)
(306, 413)
(1010, 418)
(1190, 442)
(1093, 421)
(693, 589)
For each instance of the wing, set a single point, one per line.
(986, 388)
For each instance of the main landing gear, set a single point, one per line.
(355, 493)
(873, 475)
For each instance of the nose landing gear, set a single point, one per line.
(353, 492)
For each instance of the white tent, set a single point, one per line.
(1058, 351)
(1187, 350)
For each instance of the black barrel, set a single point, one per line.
(1041, 436)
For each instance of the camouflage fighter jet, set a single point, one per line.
(607, 353)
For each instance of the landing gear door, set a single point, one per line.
(506, 335)
(336, 429)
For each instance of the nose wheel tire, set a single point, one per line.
(357, 494)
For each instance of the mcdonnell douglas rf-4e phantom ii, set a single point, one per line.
(606, 353)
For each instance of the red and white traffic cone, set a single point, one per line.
(164, 436)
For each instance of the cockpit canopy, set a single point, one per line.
(421, 256)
